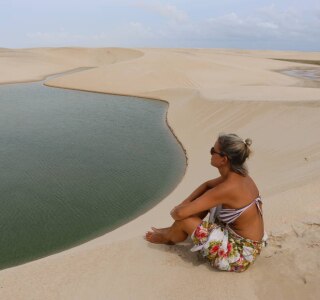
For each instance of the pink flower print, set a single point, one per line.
(200, 233)
(214, 249)
(229, 247)
(221, 252)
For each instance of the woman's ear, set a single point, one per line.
(225, 160)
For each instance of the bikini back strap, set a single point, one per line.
(229, 215)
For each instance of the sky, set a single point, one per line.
(244, 24)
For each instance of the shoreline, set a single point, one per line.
(197, 90)
(47, 77)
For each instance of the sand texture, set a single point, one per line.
(209, 91)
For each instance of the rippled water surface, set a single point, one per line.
(75, 165)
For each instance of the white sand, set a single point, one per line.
(209, 91)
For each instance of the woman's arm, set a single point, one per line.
(209, 199)
(202, 189)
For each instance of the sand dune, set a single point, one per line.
(19, 65)
(209, 91)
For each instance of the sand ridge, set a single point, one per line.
(208, 91)
(25, 65)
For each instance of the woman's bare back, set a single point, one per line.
(241, 191)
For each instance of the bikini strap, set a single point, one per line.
(229, 215)
(257, 200)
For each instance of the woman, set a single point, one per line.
(234, 235)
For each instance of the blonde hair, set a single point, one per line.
(236, 150)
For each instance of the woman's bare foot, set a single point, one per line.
(160, 230)
(158, 236)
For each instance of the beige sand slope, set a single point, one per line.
(21, 65)
(209, 91)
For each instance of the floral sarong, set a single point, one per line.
(223, 248)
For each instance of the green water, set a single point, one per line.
(75, 165)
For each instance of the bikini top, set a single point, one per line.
(229, 215)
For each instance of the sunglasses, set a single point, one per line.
(212, 151)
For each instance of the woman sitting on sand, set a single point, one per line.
(234, 235)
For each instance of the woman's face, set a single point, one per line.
(216, 158)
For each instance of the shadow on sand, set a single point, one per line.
(182, 250)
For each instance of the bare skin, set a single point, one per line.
(230, 189)
(176, 233)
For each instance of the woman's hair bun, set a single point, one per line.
(248, 142)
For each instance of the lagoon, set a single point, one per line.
(76, 165)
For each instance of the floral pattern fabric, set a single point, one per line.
(224, 249)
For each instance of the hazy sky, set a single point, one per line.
(249, 24)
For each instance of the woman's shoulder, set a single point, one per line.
(226, 189)
(238, 180)
(242, 190)
(214, 182)
(236, 188)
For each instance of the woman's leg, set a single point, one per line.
(178, 232)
